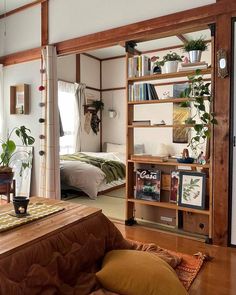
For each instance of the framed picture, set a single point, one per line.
(174, 186)
(192, 189)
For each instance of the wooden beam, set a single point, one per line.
(182, 38)
(44, 23)
(19, 57)
(21, 8)
(221, 140)
(173, 24)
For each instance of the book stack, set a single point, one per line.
(193, 66)
(139, 66)
(142, 91)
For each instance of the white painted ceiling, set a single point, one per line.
(149, 45)
(7, 5)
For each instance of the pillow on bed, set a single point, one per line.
(138, 273)
(115, 148)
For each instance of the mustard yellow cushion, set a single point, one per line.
(130, 272)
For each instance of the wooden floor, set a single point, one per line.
(217, 277)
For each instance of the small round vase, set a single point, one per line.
(171, 66)
(195, 56)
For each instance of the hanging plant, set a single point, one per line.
(98, 105)
(202, 119)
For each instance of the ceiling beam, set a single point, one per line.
(182, 38)
(21, 8)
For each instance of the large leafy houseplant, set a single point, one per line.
(201, 119)
(8, 148)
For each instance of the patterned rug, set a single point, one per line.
(35, 211)
(189, 267)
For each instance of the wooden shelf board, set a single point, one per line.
(164, 126)
(168, 163)
(169, 206)
(168, 76)
(164, 100)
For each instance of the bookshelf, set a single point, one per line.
(134, 204)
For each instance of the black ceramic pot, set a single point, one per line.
(20, 205)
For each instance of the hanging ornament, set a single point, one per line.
(41, 88)
(42, 71)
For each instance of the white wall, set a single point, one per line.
(85, 17)
(113, 75)
(23, 31)
(66, 68)
(90, 75)
(27, 73)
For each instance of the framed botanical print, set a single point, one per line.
(192, 189)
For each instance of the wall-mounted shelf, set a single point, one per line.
(19, 99)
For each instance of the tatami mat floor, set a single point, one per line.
(111, 203)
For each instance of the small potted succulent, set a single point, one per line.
(195, 48)
(8, 148)
(170, 62)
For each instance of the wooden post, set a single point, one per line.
(221, 143)
(44, 23)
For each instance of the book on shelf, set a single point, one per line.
(142, 92)
(141, 122)
(148, 184)
(149, 157)
(139, 66)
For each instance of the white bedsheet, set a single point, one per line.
(86, 177)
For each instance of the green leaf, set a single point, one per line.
(198, 127)
(198, 72)
(190, 121)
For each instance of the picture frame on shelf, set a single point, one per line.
(174, 186)
(192, 187)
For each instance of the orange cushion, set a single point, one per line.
(130, 272)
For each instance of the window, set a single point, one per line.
(69, 116)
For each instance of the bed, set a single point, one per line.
(88, 178)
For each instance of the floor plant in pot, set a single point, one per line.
(8, 150)
(202, 118)
(194, 49)
(170, 62)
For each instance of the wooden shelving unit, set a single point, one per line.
(171, 164)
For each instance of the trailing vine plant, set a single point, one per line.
(202, 119)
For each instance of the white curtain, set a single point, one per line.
(80, 101)
(50, 169)
(2, 131)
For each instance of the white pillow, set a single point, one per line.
(115, 148)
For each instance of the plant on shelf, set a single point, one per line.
(170, 62)
(195, 48)
(202, 119)
(8, 151)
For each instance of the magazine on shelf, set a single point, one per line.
(148, 184)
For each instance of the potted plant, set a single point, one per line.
(202, 119)
(8, 151)
(170, 62)
(194, 49)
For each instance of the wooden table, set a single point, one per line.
(37, 230)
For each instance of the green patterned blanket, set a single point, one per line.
(113, 170)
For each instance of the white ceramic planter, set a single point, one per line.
(171, 66)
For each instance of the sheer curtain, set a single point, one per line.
(49, 165)
(69, 116)
(2, 133)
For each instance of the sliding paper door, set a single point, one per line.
(233, 219)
